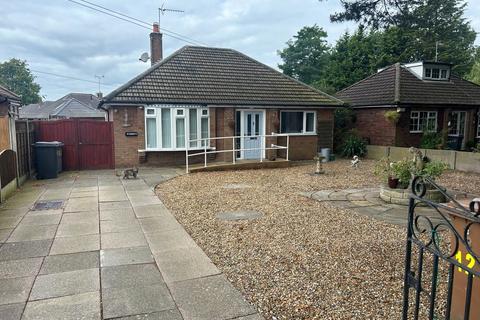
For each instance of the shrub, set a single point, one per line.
(433, 169)
(392, 116)
(402, 170)
(383, 169)
(353, 145)
(344, 119)
(431, 140)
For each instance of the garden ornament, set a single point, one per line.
(355, 162)
(319, 169)
(417, 158)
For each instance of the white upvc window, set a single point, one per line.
(169, 127)
(298, 122)
(436, 73)
(421, 121)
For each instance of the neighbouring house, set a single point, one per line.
(71, 106)
(204, 93)
(9, 106)
(427, 96)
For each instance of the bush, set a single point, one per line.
(353, 145)
(392, 116)
(402, 171)
(344, 119)
(433, 169)
(431, 140)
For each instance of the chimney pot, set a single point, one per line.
(156, 27)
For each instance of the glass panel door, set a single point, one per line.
(253, 128)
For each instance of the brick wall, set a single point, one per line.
(371, 124)
(126, 148)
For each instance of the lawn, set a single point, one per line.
(303, 259)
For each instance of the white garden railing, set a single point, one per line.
(208, 149)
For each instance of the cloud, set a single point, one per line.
(58, 36)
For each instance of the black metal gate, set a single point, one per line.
(442, 266)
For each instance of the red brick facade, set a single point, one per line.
(372, 125)
(128, 149)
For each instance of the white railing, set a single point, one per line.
(208, 149)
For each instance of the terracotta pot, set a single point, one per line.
(392, 183)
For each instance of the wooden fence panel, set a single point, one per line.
(8, 167)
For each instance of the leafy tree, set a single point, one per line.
(306, 56)
(474, 74)
(16, 76)
(415, 27)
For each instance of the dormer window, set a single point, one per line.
(436, 73)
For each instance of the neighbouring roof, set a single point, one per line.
(73, 105)
(216, 76)
(398, 85)
(4, 92)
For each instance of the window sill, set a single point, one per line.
(423, 132)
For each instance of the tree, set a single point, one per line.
(306, 57)
(16, 76)
(417, 28)
(474, 74)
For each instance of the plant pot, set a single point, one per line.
(392, 183)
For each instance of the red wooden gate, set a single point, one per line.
(88, 144)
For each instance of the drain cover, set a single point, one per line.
(48, 205)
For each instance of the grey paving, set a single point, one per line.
(111, 250)
(223, 301)
(84, 306)
(26, 249)
(65, 284)
(11, 311)
(15, 290)
(119, 302)
(75, 244)
(70, 262)
(121, 256)
(20, 268)
(131, 275)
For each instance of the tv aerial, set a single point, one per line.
(162, 10)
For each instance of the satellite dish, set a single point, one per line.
(144, 57)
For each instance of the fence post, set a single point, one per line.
(205, 151)
(233, 149)
(288, 144)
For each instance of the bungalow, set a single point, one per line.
(70, 106)
(9, 105)
(427, 97)
(199, 95)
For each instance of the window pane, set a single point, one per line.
(292, 122)
(180, 132)
(444, 74)
(192, 121)
(428, 73)
(166, 129)
(310, 122)
(257, 124)
(435, 73)
(249, 124)
(150, 111)
(204, 130)
(151, 133)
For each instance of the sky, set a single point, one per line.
(61, 37)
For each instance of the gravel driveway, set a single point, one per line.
(303, 259)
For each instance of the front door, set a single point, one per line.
(252, 131)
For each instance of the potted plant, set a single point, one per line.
(392, 116)
(383, 169)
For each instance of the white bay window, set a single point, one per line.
(168, 127)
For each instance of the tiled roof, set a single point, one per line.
(4, 92)
(216, 76)
(72, 105)
(397, 85)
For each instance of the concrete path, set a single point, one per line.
(90, 245)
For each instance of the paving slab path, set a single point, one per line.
(105, 248)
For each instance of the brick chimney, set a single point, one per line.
(156, 47)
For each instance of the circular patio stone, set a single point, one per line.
(239, 215)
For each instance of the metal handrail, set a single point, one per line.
(207, 149)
